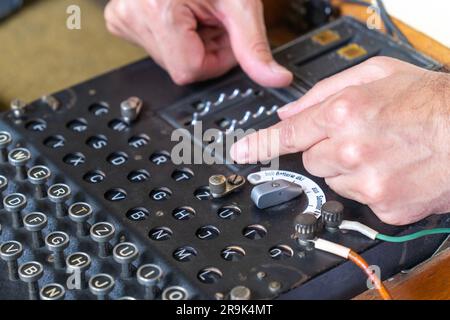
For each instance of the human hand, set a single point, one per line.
(378, 133)
(196, 40)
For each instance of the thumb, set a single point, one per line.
(244, 21)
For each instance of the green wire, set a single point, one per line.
(413, 236)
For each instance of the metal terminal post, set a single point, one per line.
(220, 186)
(18, 108)
(130, 109)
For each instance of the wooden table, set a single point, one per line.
(428, 281)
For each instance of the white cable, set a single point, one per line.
(332, 247)
(359, 227)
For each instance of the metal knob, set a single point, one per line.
(53, 292)
(35, 222)
(39, 176)
(18, 158)
(102, 233)
(59, 194)
(10, 252)
(14, 204)
(56, 243)
(101, 285)
(80, 213)
(149, 275)
(125, 253)
(30, 273)
(130, 109)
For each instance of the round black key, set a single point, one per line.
(78, 125)
(97, 142)
(10, 252)
(160, 194)
(117, 158)
(55, 142)
(80, 213)
(58, 194)
(53, 292)
(160, 234)
(39, 176)
(14, 204)
(207, 233)
(183, 213)
(94, 177)
(233, 253)
(102, 233)
(99, 109)
(254, 232)
(182, 175)
(35, 222)
(119, 125)
(18, 158)
(175, 293)
(5, 141)
(229, 212)
(149, 275)
(75, 159)
(57, 242)
(138, 214)
(101, 285)
(210, 275)
(160, 158)
(138, 142)
(30, 273)
(281, 252)
(38, 125)
(77, 263)
(203, 194)
(125, 253)
(138, 176)
(184, 254)
(116, 195)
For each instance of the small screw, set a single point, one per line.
(274, 286)
(261, 275)
(219, 296)
(235, 179)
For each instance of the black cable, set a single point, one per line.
(388, 21)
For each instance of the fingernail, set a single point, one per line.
(276, 68)
(239, 151)
(286, 108)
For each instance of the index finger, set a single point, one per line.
(295, 134)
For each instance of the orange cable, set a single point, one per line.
(360, 262)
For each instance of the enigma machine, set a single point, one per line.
(94, 206)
